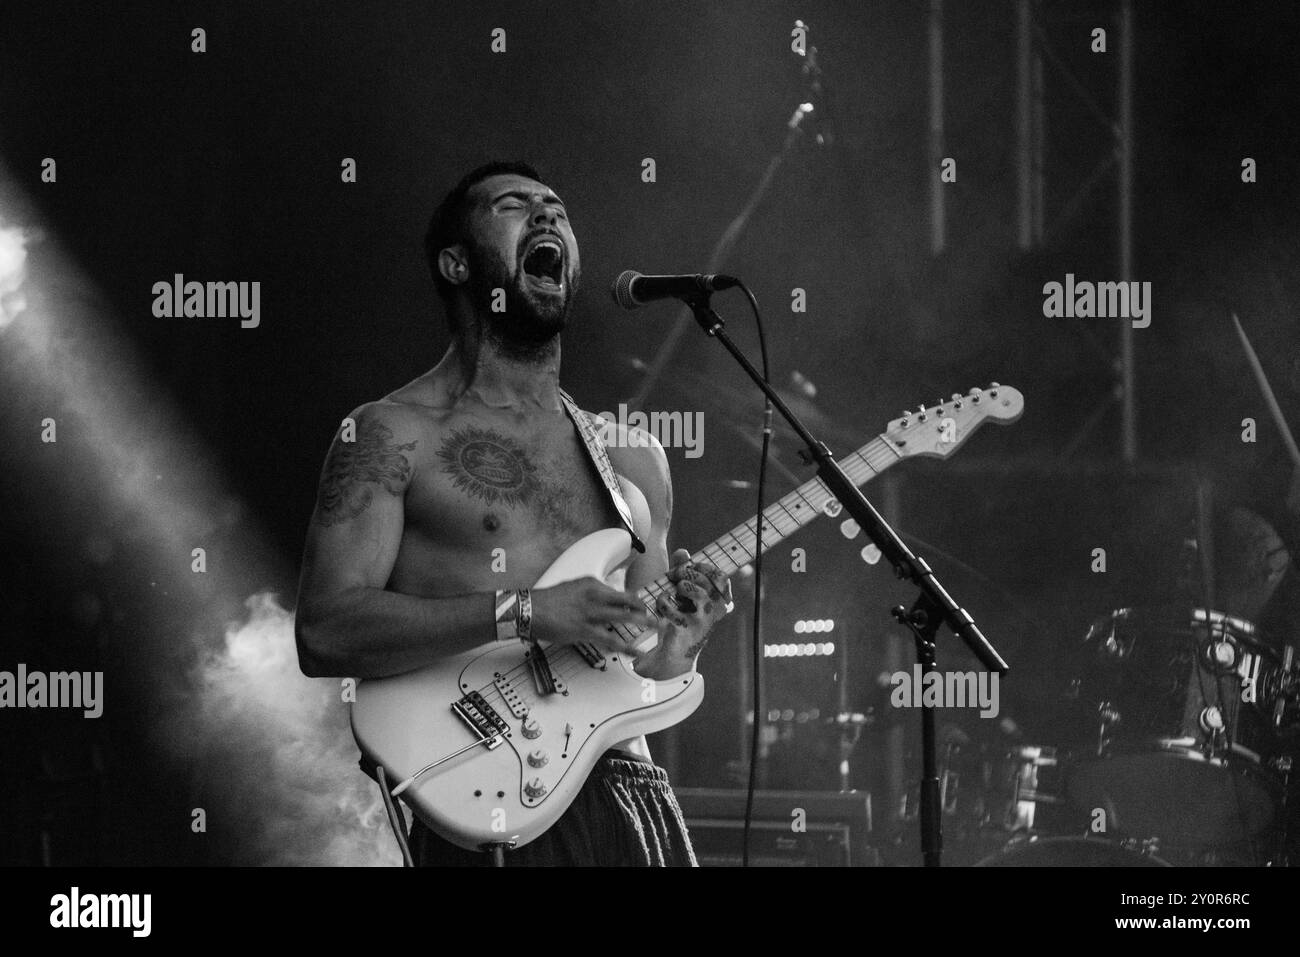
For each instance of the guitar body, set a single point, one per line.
(512, 791)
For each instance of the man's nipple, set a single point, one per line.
(490, 522)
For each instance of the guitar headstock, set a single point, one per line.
(939, 429)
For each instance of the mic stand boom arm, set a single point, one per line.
(932, 608)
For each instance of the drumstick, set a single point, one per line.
(1262, 379)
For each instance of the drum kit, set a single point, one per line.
(1180, 753)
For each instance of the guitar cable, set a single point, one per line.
(395, 818)
(757, 669)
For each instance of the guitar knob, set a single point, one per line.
(531, 728)
(535, 789)
(538, 758)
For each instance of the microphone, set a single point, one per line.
(631, 289)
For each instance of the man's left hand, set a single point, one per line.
(700, 599)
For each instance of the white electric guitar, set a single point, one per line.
(491, 746)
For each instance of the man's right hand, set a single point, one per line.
(583, 611)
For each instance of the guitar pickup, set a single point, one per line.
(482, 719)
(591, 655)
(511, 696)
(544, 677)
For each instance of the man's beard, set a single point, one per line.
(529, 324)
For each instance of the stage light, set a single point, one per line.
(13, 272)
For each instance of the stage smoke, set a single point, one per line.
(275, 767)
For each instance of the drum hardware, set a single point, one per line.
(1283, 689)
(1031, 787)
(1146, 846)
(1108, 717)
(1070, 852)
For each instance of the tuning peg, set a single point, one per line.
(849, 528)
(870, 554)
(956, 400)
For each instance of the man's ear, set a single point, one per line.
(452, 265)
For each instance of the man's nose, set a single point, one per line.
(544, 215)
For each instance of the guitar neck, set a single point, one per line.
(784, 517)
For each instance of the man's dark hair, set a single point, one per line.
(447, 226)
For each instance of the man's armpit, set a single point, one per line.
(353, 470)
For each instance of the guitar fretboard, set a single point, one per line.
(782, 518)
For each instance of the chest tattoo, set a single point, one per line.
(489, 466)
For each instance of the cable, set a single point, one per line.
(395, 821)
(757, 675)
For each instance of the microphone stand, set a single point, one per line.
(933, 606)
(723, 249)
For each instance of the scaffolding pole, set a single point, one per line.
(937, 239)
(1024, 124)
(1124, 135)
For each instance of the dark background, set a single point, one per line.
(226, 166)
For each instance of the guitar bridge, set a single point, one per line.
(481, 718)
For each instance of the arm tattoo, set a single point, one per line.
(489, 466)
(353, 469)
(694, 650)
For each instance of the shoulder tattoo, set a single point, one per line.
(354, 469)
(489, 466)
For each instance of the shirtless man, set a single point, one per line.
(479, 454)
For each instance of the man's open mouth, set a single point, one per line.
(544, 262)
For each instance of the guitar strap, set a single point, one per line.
(599, 458)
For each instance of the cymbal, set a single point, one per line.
(1250, 561)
